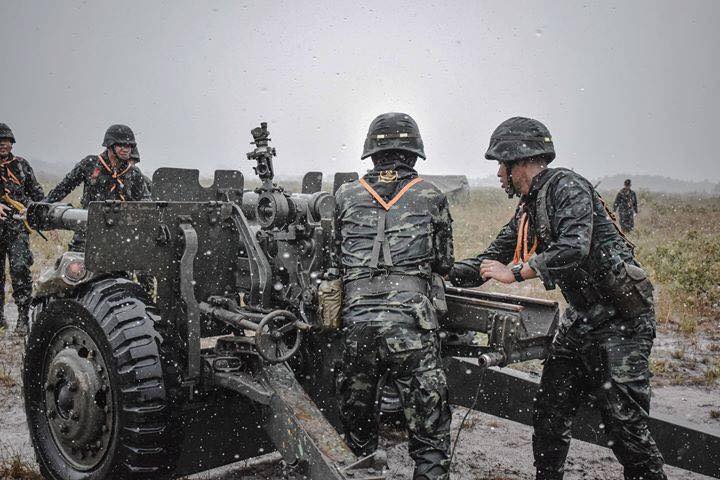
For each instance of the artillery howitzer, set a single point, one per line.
(229, 360)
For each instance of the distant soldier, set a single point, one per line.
(19, 187)
(562, 233)
(395, 232)
(626, 206)
(112, 175)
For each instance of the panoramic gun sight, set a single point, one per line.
(263, 155)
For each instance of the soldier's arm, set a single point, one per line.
(334, 263)
(74, 178)
(617, 202)
(145, 194)
(573, 224)
(635, 203)
(443, 239)
(33, 189)
(140, 190)
(466, 273)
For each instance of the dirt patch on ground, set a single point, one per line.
(14, 440)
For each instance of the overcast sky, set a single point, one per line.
(626, 86)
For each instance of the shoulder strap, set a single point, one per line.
(394, 200)
(381, 242)
(7, 173)
(544, 229)
(104, 164)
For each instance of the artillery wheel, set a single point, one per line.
(278, 336)
(101, 387)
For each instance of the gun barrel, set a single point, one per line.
(52, 216)
(319, 204)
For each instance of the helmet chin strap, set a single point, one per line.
(510, 189)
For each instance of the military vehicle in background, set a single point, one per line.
(455, 187)
(231, 358)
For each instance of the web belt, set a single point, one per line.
(387, 283)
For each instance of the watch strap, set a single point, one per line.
(516, 270)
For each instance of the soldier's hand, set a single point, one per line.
(55, 236)
(494, 269)
(4, 211)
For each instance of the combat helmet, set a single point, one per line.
(118, 134)
(519, 138)
(5, 132)
(135, 154)
(393, 131)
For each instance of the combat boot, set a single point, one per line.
(432, 466)
(361, 447)
(23, 321)
(548, 474)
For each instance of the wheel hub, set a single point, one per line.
(78, 400)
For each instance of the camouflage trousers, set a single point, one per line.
(627, 220)
(15, 245)
(610, 363)
(409, 358)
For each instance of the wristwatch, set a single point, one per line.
(516, 269)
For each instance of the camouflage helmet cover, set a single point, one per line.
(5, 132)
(393, 131)
(118, 134)
(520, 138)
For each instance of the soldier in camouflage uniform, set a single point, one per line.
(112, 175)
(19, 187)
(395, 233)
(563, 234)
(626, 207)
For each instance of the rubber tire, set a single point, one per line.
(142, 368)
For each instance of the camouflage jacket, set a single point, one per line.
(625, 202)
(418, 227)
(584, 242)
(99, 184)
(418, 231)
(19, 182)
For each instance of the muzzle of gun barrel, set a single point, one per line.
(492, 359)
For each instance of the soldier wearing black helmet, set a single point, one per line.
(626, 206)
(112, 175)
(395, 237)
(563, 233)
(18, 188)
